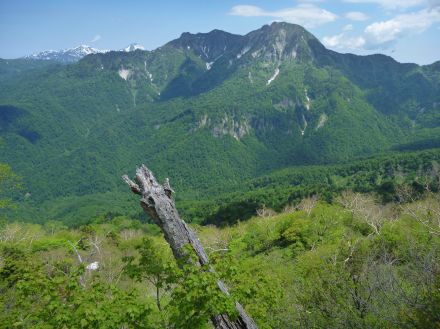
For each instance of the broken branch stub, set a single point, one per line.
(157, 202)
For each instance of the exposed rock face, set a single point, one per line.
(231, 126)
(238, 127)
(279, 41)
(228, 125)
(204, 121)
(124, 73)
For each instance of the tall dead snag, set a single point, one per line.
(157, 202)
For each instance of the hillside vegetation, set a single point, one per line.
(352, 264)
(312, 179)
(208, 110)
(226, 203)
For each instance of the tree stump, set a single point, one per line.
(157, 202)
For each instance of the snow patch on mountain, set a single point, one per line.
(251, 80)
(205, 51)
(124, 74)
(308, 100)
(243, 52)
(209, 65)
(277, 71)
(322, 120)
(305, 124)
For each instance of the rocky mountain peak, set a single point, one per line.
(209, 46)
(133, 47)
(275, 42)
(280, 41)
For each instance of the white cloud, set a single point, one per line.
(247, 11)
(434, 3)
(383, 34)
(356, 16)
(341, 41)
(347, 27)
(96, 38)
(393, 4)
(307, 15)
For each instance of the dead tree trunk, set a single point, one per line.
(157, 202)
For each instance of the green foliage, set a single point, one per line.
(384, 175)
(186, 296)
(234, 146)
(197, 298)
(8, 182)
(207, 129)
(37, 297)
(323, 266)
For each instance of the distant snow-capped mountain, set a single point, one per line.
(133, 47)
(66, 55)
(71, 55)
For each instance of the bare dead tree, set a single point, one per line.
(426, 210)
(14, 233)
(308, 204)
(366, 208)
(157, 202)
(87, 259)
(265, 212)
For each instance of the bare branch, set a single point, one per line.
(76, 251)
(134, 187)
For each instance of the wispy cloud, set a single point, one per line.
(96, 38)
(356, 16)
(308, 15)
(384, 34)
(434, 3)
(342, 41)
(394, 4)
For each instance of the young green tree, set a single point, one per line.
(34, 296)
(8, 181)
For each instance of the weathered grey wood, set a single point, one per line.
(157, 202)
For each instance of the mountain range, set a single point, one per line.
(71, 55)
(209, 110)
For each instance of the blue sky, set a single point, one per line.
(408, 30)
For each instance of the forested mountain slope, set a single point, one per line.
(208, 110)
